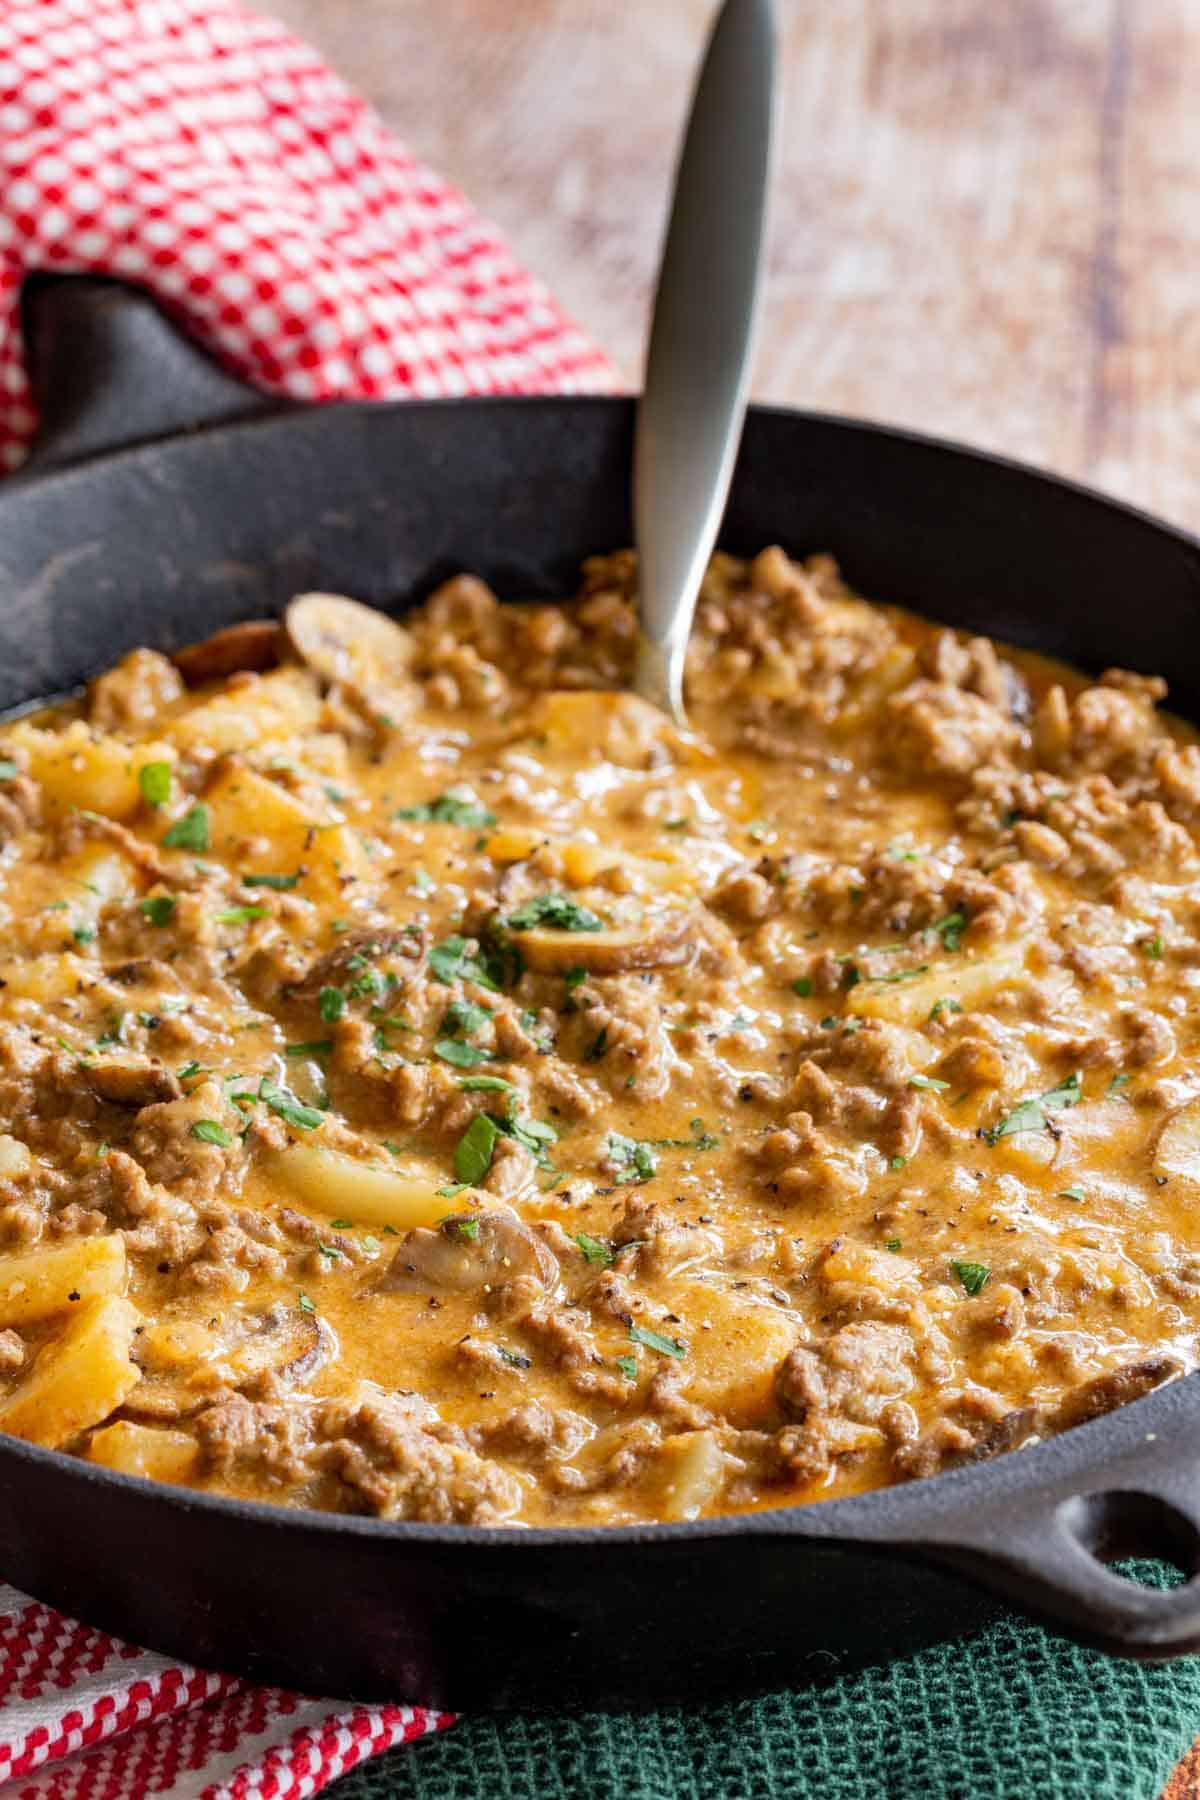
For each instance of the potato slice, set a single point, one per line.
(255, 644)
(348, 643)
(735, 1343)
(82, 768)
(967, 981)
(341, 1187)
(264, 829)
(687, 1474)
(657, 943)
(79, 1379)
(44, 1282)
(158, 1454)
(1178, 1149)
(281, 704)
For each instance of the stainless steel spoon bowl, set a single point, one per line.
(690, 417)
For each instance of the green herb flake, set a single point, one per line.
(466, 1230)
(1030, 1115)
(486, 1084)
(901, 852)
(628, 1367)
(1118, 1084)
(462, 1056)
(240, 915)
(574, 978)
(451, 961)
(287, 1107)
(475, 1148)
(893, 1244)
(897, 1162)
(947, 1004)
(558, 911)
(1071, 1193)
(329, 1250)
(154, 780)
(157, 908)
(449, 808)
(331, 1004)
(802, 986)
(1154, 948)
(465, 1018)
(84, 934)
(281, 884)
(950, 930)
(304, 1303)
(593, 1251)
(313, 1047)
(189, 1069)
(192, 831)
(209, 1132)
(898, 975)
(928, 1084)
(452, 1190)
(8, 769)
(634, 1158)
(55, 906)
(974, 1276)
(654, 1340)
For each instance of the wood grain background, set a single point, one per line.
(987, 221)
(988, 211)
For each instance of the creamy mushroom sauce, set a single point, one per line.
(436, 1086)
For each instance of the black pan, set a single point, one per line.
(196, 523)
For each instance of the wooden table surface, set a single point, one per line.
(987, 221)
(988, 211)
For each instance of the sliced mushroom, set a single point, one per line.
(1178, 1148)
(256, 644)
(129, 1081)
(350, 957)
(1105, 1393)
(469, 1251)
(349, 644)
(285, 1342)
(658, 943)
(1005, 1433)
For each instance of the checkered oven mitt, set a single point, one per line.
(210, 158)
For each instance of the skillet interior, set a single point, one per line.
(164, 543)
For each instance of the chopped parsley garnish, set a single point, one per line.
(463, 1056)
(466, 1230)
(84, 934)
(599, 1044)
(157, 908)
(928, 1083)
(654, 1340)
(331, 1004)
(950, 930)
(634, 1158)
(900, 852)
(1030, 1115)
(475, 1148)
(464, 1017)
(892, 1244)
(288, 1108)
(628, 1367)
(192, 831)
(114, 1030)
(556, 910)
(342, 1224)
(574, 978)
(423, 882)
(1072, 1193)
(154, 779)
(329, 1250)
(947, 1004)
(188, 1070)
(974, 1276)
(449, 809)
(8, 769)
(209, 1132)
(240, 915)
(1118, 1083)
(304, 1303)
(452, 1190)
(1154, 948)
(897, 1162)
(280, 883)
(314, 1047)
(592, 1250)
(451, 961)
(56, 906)
(485, 1084)
(802, 986)
(533, 1134)
(904, 974)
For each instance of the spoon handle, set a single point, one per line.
(698, 365)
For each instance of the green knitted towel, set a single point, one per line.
(1013, 1714)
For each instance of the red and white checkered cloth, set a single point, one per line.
(207, 156)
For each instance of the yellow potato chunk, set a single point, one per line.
(79, 1379)
(48, 1281)
(282, 704)
(341, 1187)
(15, 1158)
(967, 980)
(264, 829)
(80, 768)
(735, 1344)
(159, 1454)
(687, 1474)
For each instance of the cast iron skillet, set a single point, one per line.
(193, 524)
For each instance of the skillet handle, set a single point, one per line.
(1048, 1548)
(109, 370)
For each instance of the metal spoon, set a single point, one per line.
(690, 416)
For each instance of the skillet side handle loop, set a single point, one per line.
(109, 370)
